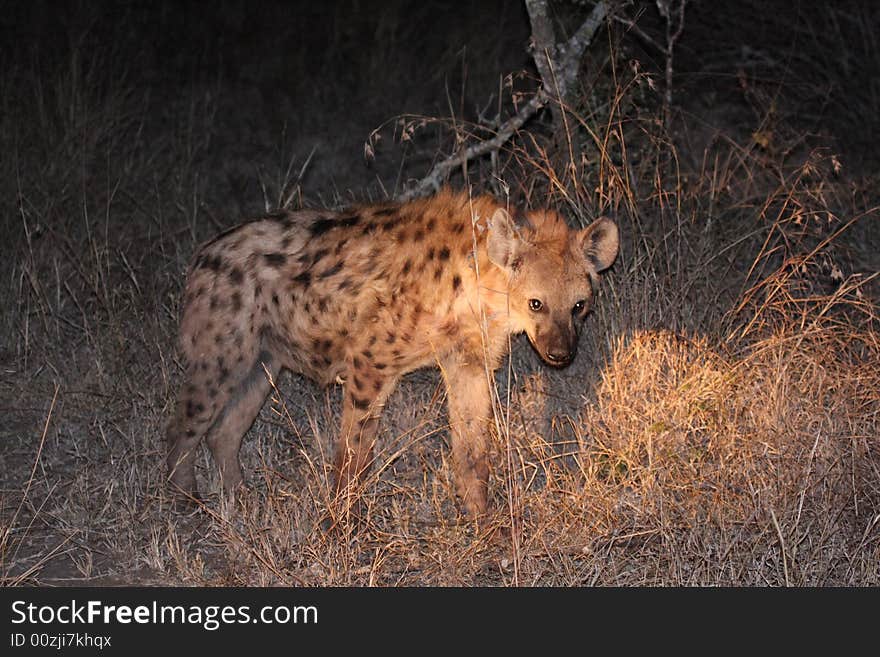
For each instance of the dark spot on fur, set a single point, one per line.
(236, 276)
(407, 265)
(335, 269)
(431, 223)
(431, 253)
(391, 339)
(236, 302)
(366, 353)
(360, 404)
(377, 385)
(275, 299)
(324, 224)
(275, 259)
(385, 212)
(215, 302)
(419, 235)
(285, 242)
(456, 283)
(438, 273)
(214, 263)
(357, 362)
(304, 278)
(307, 307)
(372, 341)
(457, 229)
(379, 366)
(321, 226)
(339, 246)
(258, 289)
(319, 255)
(322, 304)
(444, 253)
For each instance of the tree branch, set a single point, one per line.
(571, 51)
(549, 57)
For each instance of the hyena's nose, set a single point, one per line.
(559, 356)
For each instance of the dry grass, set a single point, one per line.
(720, 426)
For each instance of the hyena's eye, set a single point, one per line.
(535, 304)
(578, 308)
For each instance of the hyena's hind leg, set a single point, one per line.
(198, 405)
(228, 430)
(222, 410)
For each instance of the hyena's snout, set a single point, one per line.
(557, 343)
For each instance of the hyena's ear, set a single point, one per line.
(503, 241)
(599, 242)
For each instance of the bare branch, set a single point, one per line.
(434, 179)
(549, 56)
(571, 52)
(543, 40)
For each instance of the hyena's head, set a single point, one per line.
(552, 271)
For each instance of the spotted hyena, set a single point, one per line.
(365, 296)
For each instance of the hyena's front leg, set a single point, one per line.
(469, 408)
(366, 390)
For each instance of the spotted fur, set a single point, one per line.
(365, 296)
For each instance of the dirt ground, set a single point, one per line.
(719, 425)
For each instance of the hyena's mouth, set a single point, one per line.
(557, 360)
